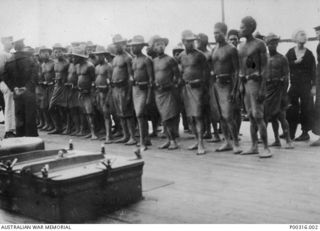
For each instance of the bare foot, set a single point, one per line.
(265, 154)
(137, 152)
(108, 141)
(173, 145)
(193, 147)
(131, 141)
(225, 147)
(276, 144)
(143, 148)
(94, 137)
(122, 140)
(251, 151)
(236, 150)
(201, 150)
(215, 139)
(88, 136)
(165, 145)
(289, 145)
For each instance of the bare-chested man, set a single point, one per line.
(141, 91)
(47, 84)
(73, 98)
(194, 64)
(103, 90)
(121, 90)
(253, 67)
(58, 102)
(226, 68)
(86, 76)
(276, 102)
(165, 71)
(211, 113)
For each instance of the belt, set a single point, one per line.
(84, 91)
(164, 87)
(224, 78)
(193, 83)
(275, 80)
(45, 83)
(119, 84)
(251, 77)
(137, 83)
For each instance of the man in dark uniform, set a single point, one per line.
(316, 92)
(58, 102)
(194, 66)
(20, 75)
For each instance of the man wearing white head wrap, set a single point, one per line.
(302, 79)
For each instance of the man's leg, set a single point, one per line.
(275, 128)
(305, 113)
(125, 131)
(20, 116)
(285, 128)
(142, 132)
(131, 128)
(75, 118)
(30, 114)
(171, 123)
(192, 126)
(199, 131)
(254, 137)
(54, 111)
(264, 136)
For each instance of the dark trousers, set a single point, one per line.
(25, 112)
(300, 109)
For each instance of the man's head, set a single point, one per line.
(159, 46)
(176, 51)
(79, 54)
(119, 43)
(248, 26)
(100, 58)
(19, 45)
(137, 43)
(272, 42)
(44, 55)
(202, 41)
(299, 36)
(220, 31)
(233, 37)
(59, 53)
(188, 39)
(7, 43)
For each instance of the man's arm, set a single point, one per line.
(263, 66)
(175, 70)
(149, 67)
(129, 67)
(235, 64)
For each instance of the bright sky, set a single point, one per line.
(45, 22)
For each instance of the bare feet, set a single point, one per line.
(266, 153)
(315, 143)
(94, 137)
(173, 145)
(124, 139)
(289, 145)
(251, 151)
(131, 141)
(108, 141)
(225, 147)
(276, 144)
(193, 147)
(165, 145)
(215, 138)
(236, 150)
(201, 150)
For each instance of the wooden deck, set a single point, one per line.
(180, 187)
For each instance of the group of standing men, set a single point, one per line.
(86, 86)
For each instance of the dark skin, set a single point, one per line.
(255, 50)
(103, 75)
(193, 65)
(142, 73)
(122, 71)
(61, 72)
(225, 61)
(47, 76)
(86, 76)
(278, 68)
(165, 71)
(74, 113)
